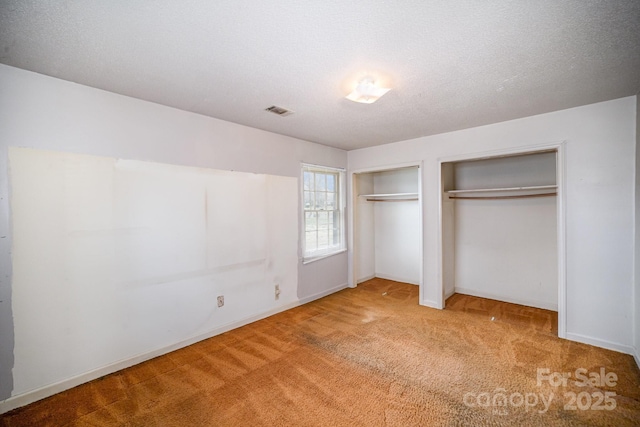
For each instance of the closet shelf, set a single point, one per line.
(505, 192)
(390, 197)
(533, 188)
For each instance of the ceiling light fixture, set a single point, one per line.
(367, 92)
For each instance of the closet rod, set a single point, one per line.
(391, 200)
(521, 196)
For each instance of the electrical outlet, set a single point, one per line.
(277, 292)
(220, 300)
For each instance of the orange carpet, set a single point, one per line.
(369, 356)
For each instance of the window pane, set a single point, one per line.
(311, 242)
(310, 221)
(323, 239)
(335, 227)
(331, 183)
(308, 181)
(309, 203)
(320, 204)
(320, 182)
(336, 236)
(323, 220)
(330, 201)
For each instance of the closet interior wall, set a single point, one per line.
(387, 225)
(501, 244)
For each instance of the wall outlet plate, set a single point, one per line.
(220, 300)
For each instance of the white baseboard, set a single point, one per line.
(322, 294)
(49, 390)
(364, 279)
(397, 279)
(431, 304)
(621, 348)
(528, 302)
(448, 294)
(569, 336)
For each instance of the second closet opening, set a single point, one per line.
(499, 228)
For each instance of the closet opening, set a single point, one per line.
(386, 226)
(501, 228)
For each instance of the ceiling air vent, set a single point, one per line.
(279, 110)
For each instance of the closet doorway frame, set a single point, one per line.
(352, 217)
(560, 150)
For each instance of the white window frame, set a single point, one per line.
(314, 254)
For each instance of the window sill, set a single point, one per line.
(309, 260)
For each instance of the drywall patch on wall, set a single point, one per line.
(117, 258)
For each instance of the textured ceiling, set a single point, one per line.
(451, 64)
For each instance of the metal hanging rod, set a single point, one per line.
(391, 200)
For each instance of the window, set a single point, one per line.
(323, 210)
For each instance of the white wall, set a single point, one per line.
(396, 225)
(507, 249)
(600, 168)
(364, 230)
(513, 171)
(448, 230)
(637, 240)
(45, 113)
